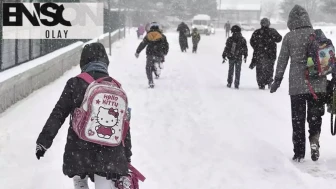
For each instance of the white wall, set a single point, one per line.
(20, 86)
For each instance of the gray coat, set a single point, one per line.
(294, 46)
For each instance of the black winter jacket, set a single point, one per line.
(236, 43)
(156, 42)
(264, 42)
(196, 37)
(183, 30)
(80, 157)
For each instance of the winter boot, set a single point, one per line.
(298, 158)
(157, 70)
(236, 87)
(228, 85)
(262, 87)
(315, 146)
(151, 84)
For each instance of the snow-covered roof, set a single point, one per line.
(202, 17)
(121, 9)
(255, 7)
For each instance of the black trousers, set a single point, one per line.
(234, 66)
(183, 40)
(150, 68)
(195, 45)
(265, 70)
(299, 104)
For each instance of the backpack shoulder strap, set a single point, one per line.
(86, 77)
(140, 176)
(116, 82)
(112, 80)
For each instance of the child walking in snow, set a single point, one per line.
(196, 37)
(157, 48)
(105, 165)
(235, 49)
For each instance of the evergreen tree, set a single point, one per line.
(208, 7)
(328, 6)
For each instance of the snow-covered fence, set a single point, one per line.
(17, 83)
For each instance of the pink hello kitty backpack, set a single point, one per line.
(102, 116)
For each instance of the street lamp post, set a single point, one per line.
(125, 16)
(109, 26)
(119, 19)
(1, 1)
(219, 12)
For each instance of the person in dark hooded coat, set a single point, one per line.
(84, 159)
(294, 47)
(184, 33)
(235, 49)
(264, 45)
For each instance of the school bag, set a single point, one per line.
(235, 49)
(131, 181)
(102, 116)
(321, 58)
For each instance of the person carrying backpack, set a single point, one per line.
(294, 46)
(184, 33)
(99, 141)
(196, 37)
(157, 48)
(235, 49)
(264, 45)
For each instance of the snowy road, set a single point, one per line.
(189, 132)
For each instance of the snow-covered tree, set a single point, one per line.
(269, 9)
(203, 7)
(328, 6)
(310, 5)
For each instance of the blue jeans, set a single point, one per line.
(234, 66)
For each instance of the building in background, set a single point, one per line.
(239, 13)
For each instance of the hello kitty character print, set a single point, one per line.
(101, 119)
(107, 119)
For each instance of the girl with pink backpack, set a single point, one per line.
(107, 165)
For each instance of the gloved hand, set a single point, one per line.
(129, 115)
(245, 59)
(40, 151)
(224, 60)
(136, 55)
(275, 85)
